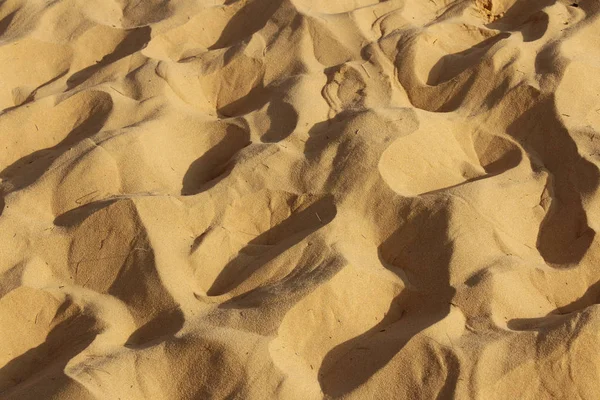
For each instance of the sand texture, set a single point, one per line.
(299, 199)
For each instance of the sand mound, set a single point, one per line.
(299, 199)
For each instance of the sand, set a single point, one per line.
(299, 199)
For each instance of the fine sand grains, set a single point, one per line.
(299, 199)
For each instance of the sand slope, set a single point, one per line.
(299, 199)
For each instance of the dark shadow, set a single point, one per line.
(281, 237)
(254, 100)
(228, 55)
(284, 118)
(453, 100)
(198, 240)
(590, 7)
(137, 283)
(526, 17)
(282, 115)
(269, 304)
(511, 158)
(326, 133)
(425, 301)
(163, 326)
(452, 65)
(451, 74)
(216, 163)
(349, 144)
(564, 236)
(41, 369)
(496, 95)
(453, 366)
(549, 62)
(31, 96)
(589, 298)
(30, 168)
(446, 97)
(332, 133)
(114, 242)
(2, 201)
(290, 290)
(535, 27)
(493, 162)
(135, 40)
(77, 215)
(251, 18)
(6, 21)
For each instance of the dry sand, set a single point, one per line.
(299, 199)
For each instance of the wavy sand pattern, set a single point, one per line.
(299, 199)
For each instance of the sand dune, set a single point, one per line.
(299, 199)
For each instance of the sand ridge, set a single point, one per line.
(299, 199)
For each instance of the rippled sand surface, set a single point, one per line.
(299, 199)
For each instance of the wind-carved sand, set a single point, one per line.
(299, 199)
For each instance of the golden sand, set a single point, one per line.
(299, 199)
